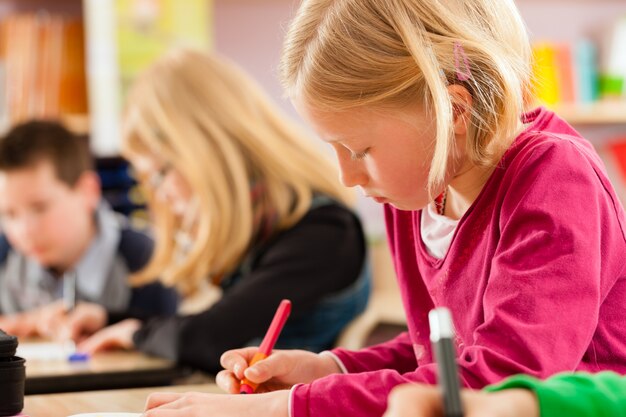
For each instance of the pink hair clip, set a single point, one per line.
(462, 74)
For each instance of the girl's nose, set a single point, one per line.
(353, 173)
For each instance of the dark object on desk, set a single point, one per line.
(12, 376)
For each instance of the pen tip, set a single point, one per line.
(245, 389)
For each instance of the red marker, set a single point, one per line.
(278, 322)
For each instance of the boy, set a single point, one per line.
(54, 223)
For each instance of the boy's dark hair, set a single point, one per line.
(32, 142)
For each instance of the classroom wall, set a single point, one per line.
(251, 32)
(567, 20)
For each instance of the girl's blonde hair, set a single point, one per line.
(343, 54)
(211, 123)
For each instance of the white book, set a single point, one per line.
(616, 52)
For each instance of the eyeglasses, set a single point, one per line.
(156, 179)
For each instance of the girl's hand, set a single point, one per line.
(281, 370)
(414, 400)
(195, 404)
(117, 336)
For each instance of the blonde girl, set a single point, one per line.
(240, 199)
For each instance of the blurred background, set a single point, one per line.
(74, 59)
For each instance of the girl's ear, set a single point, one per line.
(461, 105)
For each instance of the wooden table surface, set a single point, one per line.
(129, 400)
(107, 370)
(118, 361)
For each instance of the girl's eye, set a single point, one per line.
(355, 156)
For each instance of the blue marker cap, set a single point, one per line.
(78, 357)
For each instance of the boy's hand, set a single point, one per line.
(20, 325)
(281, 370)
(42, 321)
(84, 320)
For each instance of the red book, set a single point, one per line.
(618, 151)
(72, 80)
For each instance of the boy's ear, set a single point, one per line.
(461, 105)
(88, 185)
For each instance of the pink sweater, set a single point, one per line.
(535, 278)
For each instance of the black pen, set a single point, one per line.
(442, 339)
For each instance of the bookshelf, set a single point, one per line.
(582, 19)
(600, 113)
(109, 43)
(39, 24)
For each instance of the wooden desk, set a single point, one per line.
(130, 401)
(107, 370)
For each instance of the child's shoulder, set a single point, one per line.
(550, 144)
(551, 162)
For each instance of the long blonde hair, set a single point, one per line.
(216, 128)
(343, 54)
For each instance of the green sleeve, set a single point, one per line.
(574, 394)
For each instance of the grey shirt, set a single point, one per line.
(102, 273)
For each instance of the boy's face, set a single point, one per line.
(44, 218)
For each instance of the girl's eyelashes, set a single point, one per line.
(355, 156)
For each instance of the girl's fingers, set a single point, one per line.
(276, 365)
(227, 381)
(158, 399)
(96, 343)
(183, 403)
(237, 360)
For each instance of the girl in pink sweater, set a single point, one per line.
(505, 216)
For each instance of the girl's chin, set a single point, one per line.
(407, 206)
